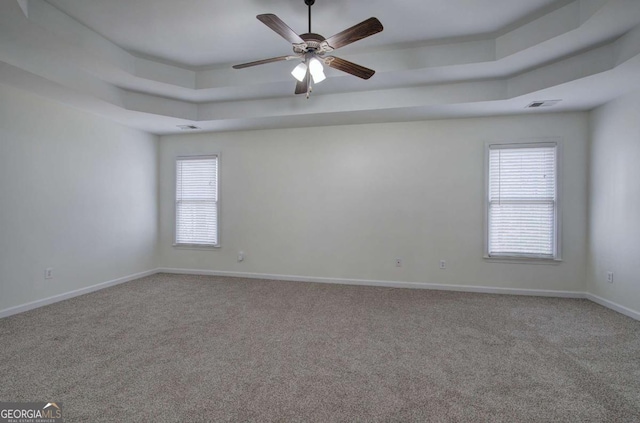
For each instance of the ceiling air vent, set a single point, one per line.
(543, 103)
(188, 127)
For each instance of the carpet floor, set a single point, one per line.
(170, 348)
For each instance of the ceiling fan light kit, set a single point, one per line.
(311, 49)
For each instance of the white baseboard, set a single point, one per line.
(613, 306)
(61, 297)
(389, 284)
(363, 282)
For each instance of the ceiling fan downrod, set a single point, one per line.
(309, 3)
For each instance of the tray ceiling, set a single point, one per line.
(157, 64)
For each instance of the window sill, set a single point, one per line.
(523, 260)
(195, 247)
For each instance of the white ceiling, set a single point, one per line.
(155, 64)
(206, 32)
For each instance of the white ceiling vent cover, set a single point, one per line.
(542, 103)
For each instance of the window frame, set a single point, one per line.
(524, 258)
(175, 200)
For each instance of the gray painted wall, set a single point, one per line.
(78, 193)
(614, 202)
(345, 201)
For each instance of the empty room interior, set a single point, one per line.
(329, 210)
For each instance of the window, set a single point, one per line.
(197, 201)
(522, 203)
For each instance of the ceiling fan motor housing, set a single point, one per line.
(309, 2)
(312, 42)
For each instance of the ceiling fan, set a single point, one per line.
(311, 48)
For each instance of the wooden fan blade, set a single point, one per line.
(276, 24)
(261, 62)
(349, 67)
(357, 32)
(303, 86)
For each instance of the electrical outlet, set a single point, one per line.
(610, 277)
(398, 262)
(240, 256)
(443, 264)
(48, 273)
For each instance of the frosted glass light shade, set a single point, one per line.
(318, 77)
(316, 70)
(299, 72)
(315, 66)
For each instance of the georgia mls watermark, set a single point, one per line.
(31, 412)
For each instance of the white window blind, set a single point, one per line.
(197, 201)
(522, 200)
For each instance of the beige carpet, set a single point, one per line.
(192, 349)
